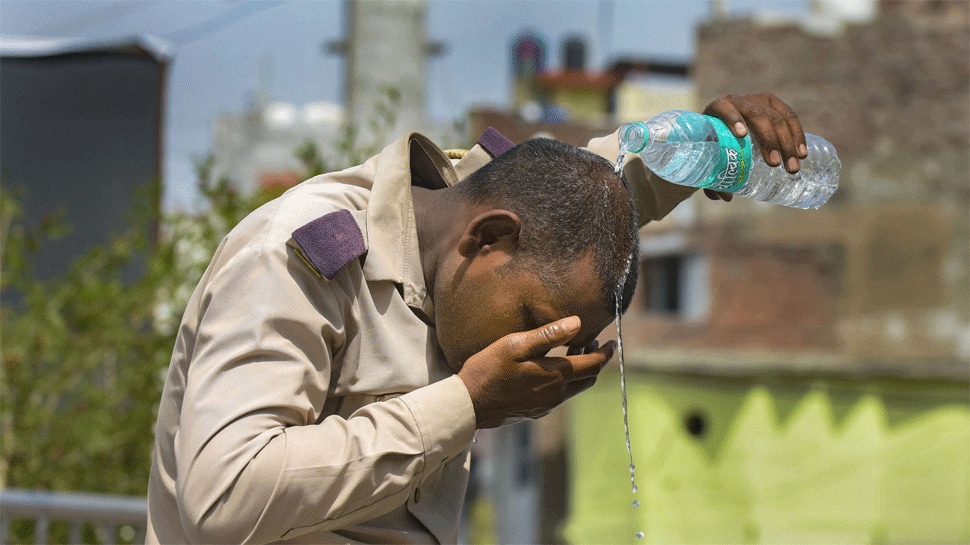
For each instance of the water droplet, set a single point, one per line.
(636, 503)
(619, 350)
(620, 159)
(639, 535)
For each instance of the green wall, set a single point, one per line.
(771, 461)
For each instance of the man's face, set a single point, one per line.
(481, 301)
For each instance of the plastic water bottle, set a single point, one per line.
(697, 150)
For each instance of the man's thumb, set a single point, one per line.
(539, 341)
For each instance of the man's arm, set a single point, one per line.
(770, 121)
(254, 465)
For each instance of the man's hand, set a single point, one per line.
(513, 378)
(771, 122)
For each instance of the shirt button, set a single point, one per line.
(417, 495)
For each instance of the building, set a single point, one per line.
(793, 375)
(258, 148)
(805, 375)
(385, 51)
(81, 133)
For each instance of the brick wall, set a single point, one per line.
(763, 297)
(893, 95)
(895, 83)
(880, 277)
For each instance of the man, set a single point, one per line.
(348, 338)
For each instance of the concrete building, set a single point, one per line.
(258, 147)
(795, 375)
(889, 254)
(385, 51)
(82, 126)
(805, 375)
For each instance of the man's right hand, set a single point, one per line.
(514, 379)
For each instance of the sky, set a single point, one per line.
(223, 50)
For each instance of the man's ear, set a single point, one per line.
(496, 229)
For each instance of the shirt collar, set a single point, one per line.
(392, 238)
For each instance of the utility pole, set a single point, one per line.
(385, 47)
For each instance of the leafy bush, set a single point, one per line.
(83, 355)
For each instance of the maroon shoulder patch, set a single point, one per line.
(494, 142)
(329, 242)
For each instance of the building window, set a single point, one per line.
(675, 284)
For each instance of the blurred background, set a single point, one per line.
(793, 376)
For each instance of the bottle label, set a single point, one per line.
(734, 163)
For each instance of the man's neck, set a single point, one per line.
(434, 214)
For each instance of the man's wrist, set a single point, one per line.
(445, 417)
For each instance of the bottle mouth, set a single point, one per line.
(634, 137)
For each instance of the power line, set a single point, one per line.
(93, 18)
(209, 26)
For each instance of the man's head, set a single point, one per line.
(550, 232)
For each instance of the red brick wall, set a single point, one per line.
(900, 77)
(761, 297)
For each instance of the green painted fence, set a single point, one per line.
(820, 461)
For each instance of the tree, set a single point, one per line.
(83, 355)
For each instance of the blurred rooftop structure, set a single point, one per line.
(875, 281)
(860, 308)
(385, 53)
(82, 129)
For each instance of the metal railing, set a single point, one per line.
(112, 517)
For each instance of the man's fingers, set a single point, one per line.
(537, 342)
(591, 363)
(724, 109)
(794, 126)
(776, 127)
(577, 366)
(578, 386)
(788, 131)
(577, 350)
(718, 195)
(772, 123)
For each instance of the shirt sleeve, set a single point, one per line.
(654, 196)
(254, 463)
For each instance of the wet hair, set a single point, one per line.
(570, 201)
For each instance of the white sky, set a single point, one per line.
(221, 45)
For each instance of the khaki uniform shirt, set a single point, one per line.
(303, 407)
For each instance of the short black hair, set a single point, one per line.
(571, 201)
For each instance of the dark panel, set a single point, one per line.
(79, 132)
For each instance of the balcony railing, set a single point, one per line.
(113, 518)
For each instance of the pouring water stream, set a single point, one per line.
(621, 159)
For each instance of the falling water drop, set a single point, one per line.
(619, 349)
(620, 160)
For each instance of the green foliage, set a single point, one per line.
(80, 360)
(84, 354)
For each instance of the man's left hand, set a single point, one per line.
(770, 121)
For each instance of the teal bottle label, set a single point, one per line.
(734, 163)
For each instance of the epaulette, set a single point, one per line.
(329, 242)
(494, 142)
